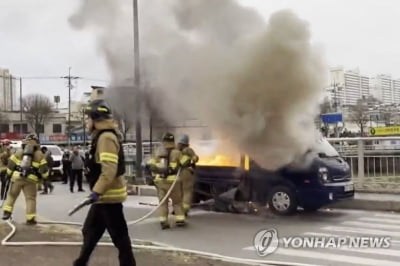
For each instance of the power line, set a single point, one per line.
(95, 79)
(40, 77)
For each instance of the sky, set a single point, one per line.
(36, 39)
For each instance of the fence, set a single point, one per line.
(374, 162)
(130, 157)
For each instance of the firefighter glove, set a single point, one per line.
(94, 197)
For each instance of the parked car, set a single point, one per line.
(56, 154)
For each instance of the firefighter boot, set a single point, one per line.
(6, 215)
(31, 221)
(164, 225)
(180, 223)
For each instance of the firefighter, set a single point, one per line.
(5, 154)
(165, 167)
(106, 167)
(26, 167)
(187, 172)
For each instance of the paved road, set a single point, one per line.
(232, 234)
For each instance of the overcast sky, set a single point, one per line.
(37, 41)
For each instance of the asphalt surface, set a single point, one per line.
(233, 234)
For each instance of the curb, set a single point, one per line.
(356, 204)
(369, 205)
(142, 190)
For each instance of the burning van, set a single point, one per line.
(320, 177)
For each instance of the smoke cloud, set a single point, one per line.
(256, 83)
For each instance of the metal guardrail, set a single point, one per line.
(374, 163)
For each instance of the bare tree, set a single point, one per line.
(37, 108)
(123, 121)
(359, 114)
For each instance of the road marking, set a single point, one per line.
(156, 219)
(392, 241)
(335, 257)
(373, 251)
(363, 231)
(380, 220)
(386, 215)
(372, 225)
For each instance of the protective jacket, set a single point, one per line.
(106, 164)
(168, 173)
(4, 156)
(39, 169)
(189, 158)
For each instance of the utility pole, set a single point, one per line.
(11, 94)
(137, 87)
(20, 107)
(69, 78)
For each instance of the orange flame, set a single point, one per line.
(218, 160)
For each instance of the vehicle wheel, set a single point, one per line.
(282, 200)
(311, 208)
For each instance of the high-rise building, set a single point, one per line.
(396, 90)
(347, 86)
(7, 91)
(384, 88)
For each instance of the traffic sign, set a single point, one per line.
(332, 118)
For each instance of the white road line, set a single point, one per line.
(372, 251)
(361, 231)
(392, 241)
(372, 225)
(155, 219)
(380, 220)
(335, 257)
(387, 215)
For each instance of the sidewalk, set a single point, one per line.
(371, 202)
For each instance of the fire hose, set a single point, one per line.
(155, 246)
(87, 202)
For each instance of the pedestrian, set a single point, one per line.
(165, 167)
(66, 167)
(5, 154)
(108, 186)
(86, 167)
(187, 172)
(25, 168)
(50, 162)
(77, 165)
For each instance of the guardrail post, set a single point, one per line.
(360, 153)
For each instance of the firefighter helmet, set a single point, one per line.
(168, 137)
(31, 139)
(98, 110)
(168, 140)
(184, 139)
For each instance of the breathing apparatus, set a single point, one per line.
(29, 146)
(162, 162)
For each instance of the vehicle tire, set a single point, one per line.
(311, 208)
(282, 200)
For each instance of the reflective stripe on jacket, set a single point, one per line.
(111, 188)
(39, 167)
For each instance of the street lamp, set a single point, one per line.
(83, 125)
